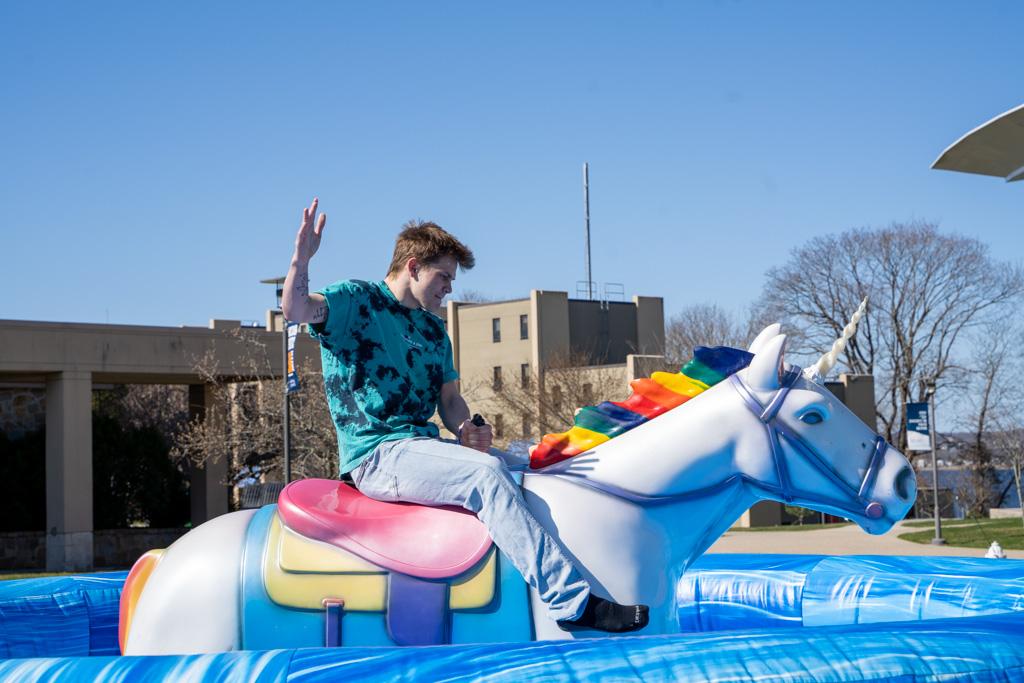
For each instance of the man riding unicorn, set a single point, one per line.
(387, 365)
(616, 508)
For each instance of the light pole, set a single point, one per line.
(930, 393)
(278, 283)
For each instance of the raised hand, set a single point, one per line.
(308, 239)
(297, 304)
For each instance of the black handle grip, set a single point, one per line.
(478, 420)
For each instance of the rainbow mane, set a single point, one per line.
(650, 397)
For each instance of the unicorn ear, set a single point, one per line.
(765, 370)
(767, 333)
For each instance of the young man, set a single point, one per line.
(387, 364)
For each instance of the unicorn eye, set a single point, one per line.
(812, 417)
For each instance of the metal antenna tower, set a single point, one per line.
(586, 220)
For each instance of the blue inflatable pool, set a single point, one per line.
(745, 618)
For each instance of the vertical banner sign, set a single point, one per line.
(918, 429)
(293, 376)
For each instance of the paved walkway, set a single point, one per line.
(845, 540)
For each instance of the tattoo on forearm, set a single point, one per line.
(302, 284)
(320, 313)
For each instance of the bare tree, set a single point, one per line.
(800, 513)
(244, 421)
(473, 296)
(994, 377)
(1009, 444)
(700, 325)
(539, 403)
(160, 406)
(925, 289)
(1007, 420)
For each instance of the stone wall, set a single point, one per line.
(121, 547)
(22, 550)
(112, 548)
(21, 410)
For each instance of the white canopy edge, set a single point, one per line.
(995, 148)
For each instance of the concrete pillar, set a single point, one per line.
(858, 393)
(274, 322)
(761, 513)
(69, 471)
(453, 332)
(638, 366)
(208, 493)
(549, 326)
(650, 325)
(549, 337)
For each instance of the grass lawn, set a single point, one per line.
(6, 576)
(973, 533)
(791, 527)
(34, 575)
(930, 523)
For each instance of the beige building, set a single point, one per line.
(499, 347)
(61, 364)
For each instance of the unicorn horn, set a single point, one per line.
(828, 360)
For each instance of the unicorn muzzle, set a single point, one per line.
(893, 491)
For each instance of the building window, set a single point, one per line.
(499, 426)
(524, 375)
(524, 327)
(497, 377)
(556, 397)
(527, 430)
(496, 329)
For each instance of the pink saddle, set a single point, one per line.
(428, 542)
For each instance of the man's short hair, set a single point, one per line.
(428, 242)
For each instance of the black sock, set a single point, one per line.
(605, 615)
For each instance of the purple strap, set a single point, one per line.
(334, 609)
(417, 611)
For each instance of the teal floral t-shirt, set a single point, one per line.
(383, 365)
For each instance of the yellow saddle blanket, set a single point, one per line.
(300, 572)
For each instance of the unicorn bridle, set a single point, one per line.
(776, 431)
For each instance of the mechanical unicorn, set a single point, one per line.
(328, 566)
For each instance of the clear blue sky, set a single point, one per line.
(154, 157)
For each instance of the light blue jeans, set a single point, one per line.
(433, 472)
